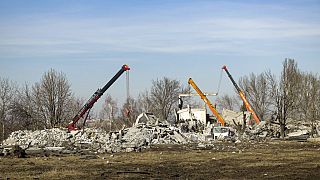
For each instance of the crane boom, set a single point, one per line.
(243, 97)
(195, 94)
(94, 98)
(206, 100)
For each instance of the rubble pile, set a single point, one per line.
(136, 138)
(148, 130)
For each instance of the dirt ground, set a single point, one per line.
(272, 160)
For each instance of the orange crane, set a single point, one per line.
(206, 100)
(243, 97)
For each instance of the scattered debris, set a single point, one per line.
(56, 140)
(149, 119)
(147, 131)
(298, 135)
(16, 151)
(221, 133)
(229, 116)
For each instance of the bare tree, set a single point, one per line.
(118, 119)
(256, 90)
(110, 108)
(287, 93)
(164, 97)
(74, 105)
(310, 100)
(273, 86)
(23, 113)
(144, 102)
(51, 97)
(7, 93)
(130, 111)
(229, 102)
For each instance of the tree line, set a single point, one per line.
(51, 103)
(295, 95)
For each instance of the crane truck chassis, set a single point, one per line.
(94, 98)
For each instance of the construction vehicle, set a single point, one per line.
(206, 100)
(242, 96)
(222, 133)
(94, 98)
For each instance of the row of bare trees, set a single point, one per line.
(50, 102)
(295, 95)
(46, 104)
(161, 100)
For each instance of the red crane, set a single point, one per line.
(94, 98)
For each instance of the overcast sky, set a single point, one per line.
(90, 40)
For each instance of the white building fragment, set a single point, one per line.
(193, 114)
(194, 119)
(229, 116)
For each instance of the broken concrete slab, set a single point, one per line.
(301, 135)
(298, 133)
(149, 119)
(229, 116)
(136, 138)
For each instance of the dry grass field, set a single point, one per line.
(271, 160)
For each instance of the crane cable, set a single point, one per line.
(219, 84)
(129, 107)
(127, 84)
(218, 90)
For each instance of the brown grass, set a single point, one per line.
(276, 160)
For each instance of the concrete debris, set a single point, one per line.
(147, 131)
(149, 119)
(136, 138)
(15, 150)
(195, 137)
(245, 127)
(229, 116)
(298, 135)
(221, 133)
(267, 129)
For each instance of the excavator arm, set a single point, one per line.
(242, 96)
(206, 100)
(94, 98)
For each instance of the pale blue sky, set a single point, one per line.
(91, 40)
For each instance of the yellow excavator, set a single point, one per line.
(206, 100)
